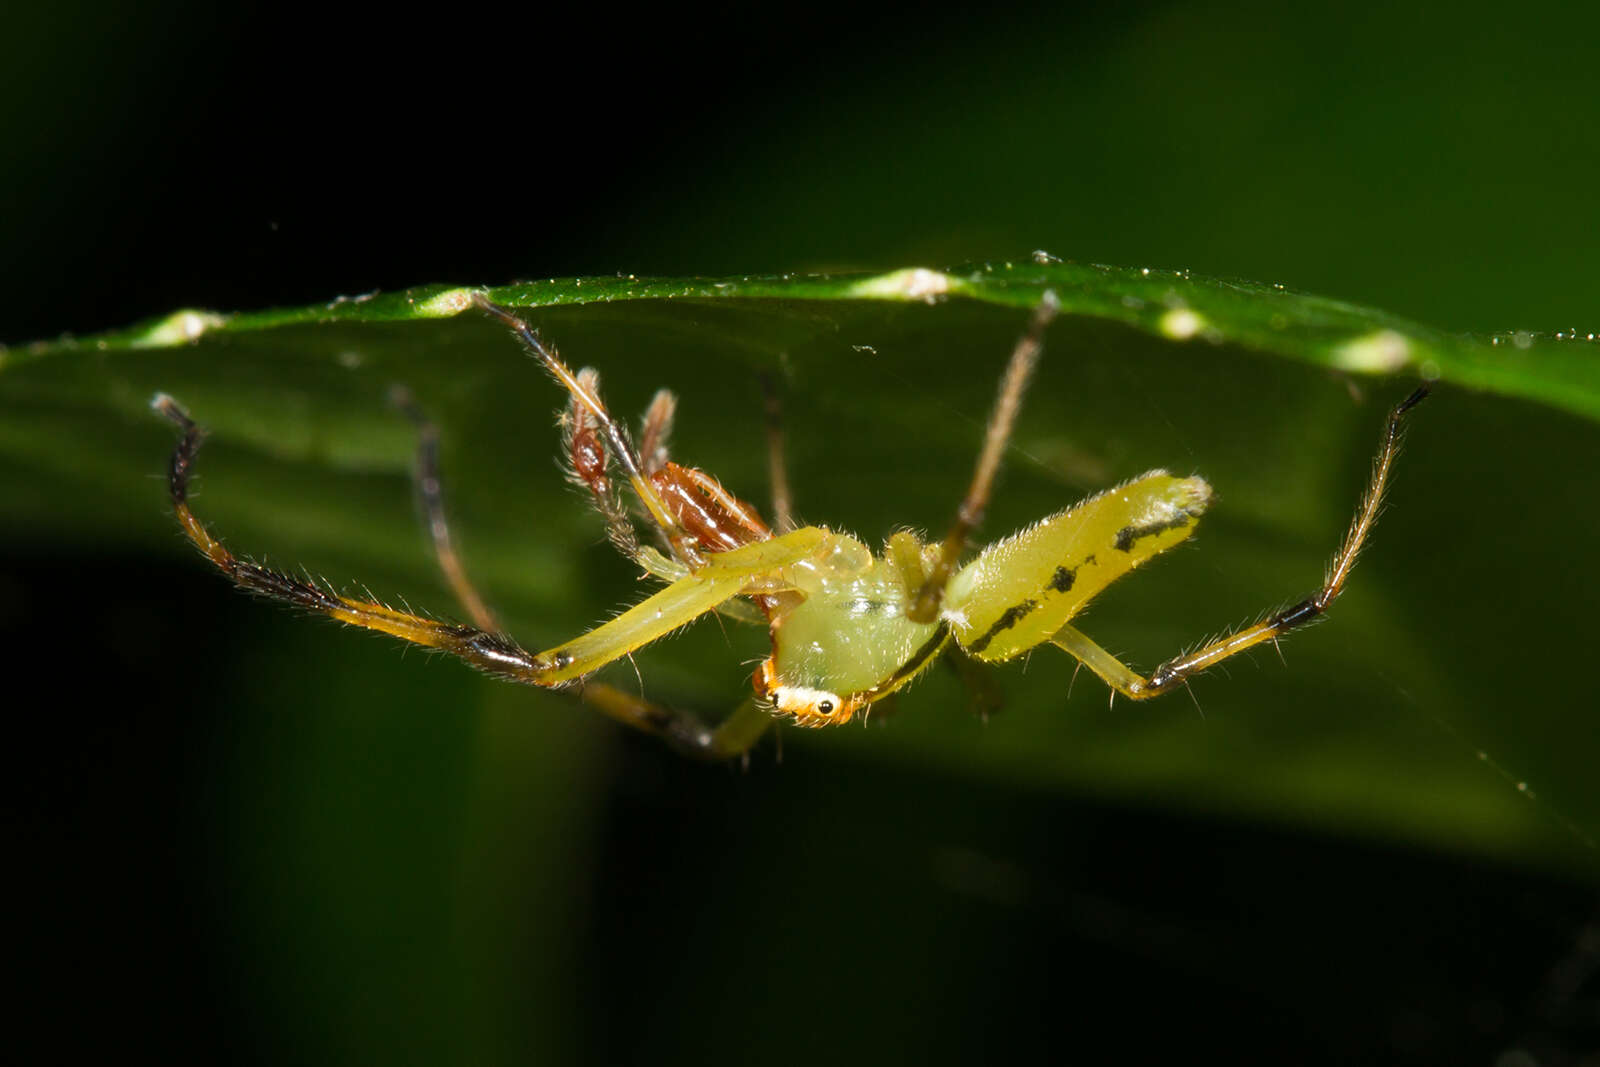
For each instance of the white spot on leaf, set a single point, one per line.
(1382, 352)
(178, 328)
(917, 283)
(1181, 324)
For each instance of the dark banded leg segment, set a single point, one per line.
(487, 651)
(1178, 670)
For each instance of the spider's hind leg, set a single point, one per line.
(1178, 670)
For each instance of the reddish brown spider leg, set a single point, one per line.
(657, 430)
(610, 433)
(694, 514)
(589, 467)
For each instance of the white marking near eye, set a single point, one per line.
(798, 700)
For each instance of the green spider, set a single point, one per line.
(847, 627)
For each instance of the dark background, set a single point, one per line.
(1437, 165)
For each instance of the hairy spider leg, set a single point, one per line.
(1024, 357)
(693, 513)
(723, 576)
(715, 518)
(589, 467)
(734, 736)
(657, 430)
(615, 436)
(1180, 668)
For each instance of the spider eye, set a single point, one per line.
(825, 706)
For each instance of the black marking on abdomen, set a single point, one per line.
(1061, 581)
(1012, 615)
(1129, 534)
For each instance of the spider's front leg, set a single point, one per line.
(723, 577)
(686, 732)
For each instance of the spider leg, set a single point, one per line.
(1179, 669)
(683, 730)
(777, 469)
(691, 512)
(723, 576)
(589, 467)
(485, 650)
(657, 430)
(983, 695)
(925, 608)
(430, 493)
(608, 434)
(733, 736)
